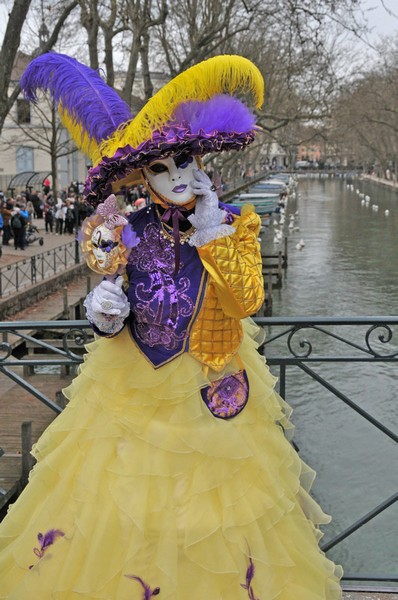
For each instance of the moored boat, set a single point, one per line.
(264, 203)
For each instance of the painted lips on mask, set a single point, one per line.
(179, 189)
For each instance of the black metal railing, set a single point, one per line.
(301, 344)
(291, 346)
(39, 267)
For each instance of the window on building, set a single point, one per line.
(23, 111)
(24, 159)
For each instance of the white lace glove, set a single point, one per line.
(208, 218)
(107, 306)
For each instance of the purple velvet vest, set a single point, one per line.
(163, 305)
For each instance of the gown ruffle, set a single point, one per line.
(154, 496)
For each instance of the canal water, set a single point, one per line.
(348, 266)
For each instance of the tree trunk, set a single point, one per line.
(131, 71)
(144, 51)
(90, 20)
(54, 162)
(9, 49)
(108, 60)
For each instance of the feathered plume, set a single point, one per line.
(90, 109)
(220, 113)
(223, 73)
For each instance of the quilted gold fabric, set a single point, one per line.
(235, 290)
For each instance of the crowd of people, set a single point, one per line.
(62, 215)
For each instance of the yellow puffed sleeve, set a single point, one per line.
(235, 267)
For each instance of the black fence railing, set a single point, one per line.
(292, 346)
(39, 267)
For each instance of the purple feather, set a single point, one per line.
(129, 237)
(46, 540)
(148, 593)
(220, 113)
(249, 578)
(87, 98)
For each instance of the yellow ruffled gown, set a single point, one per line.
(147, 494)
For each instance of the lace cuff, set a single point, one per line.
(203, 236)
(206, 219)
(106, 324)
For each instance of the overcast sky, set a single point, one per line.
(380, 19)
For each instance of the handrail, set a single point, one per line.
(289, 342)
(39, 267)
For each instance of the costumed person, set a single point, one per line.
(169, 473)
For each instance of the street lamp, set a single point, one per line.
(44, 34)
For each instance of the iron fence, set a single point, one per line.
(39, 267)
(291, 345)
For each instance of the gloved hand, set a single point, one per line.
(208, 218)
(107, 306)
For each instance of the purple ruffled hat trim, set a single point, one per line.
(172, 140)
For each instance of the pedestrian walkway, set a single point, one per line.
(50, 241)
(21, 269)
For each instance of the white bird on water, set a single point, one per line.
(300, 245)
(387, 213)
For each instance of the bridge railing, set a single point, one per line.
(293, 346)
(39, 267)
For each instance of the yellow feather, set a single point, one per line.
(220, 74)
(83, 141)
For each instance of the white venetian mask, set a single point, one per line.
(170, 178)
(105, 246)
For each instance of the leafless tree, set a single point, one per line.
(49, 135)
(11, 45)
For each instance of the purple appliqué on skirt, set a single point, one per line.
(160, 302)
(227, 397)
(46, 540)
(148, 592)
(249, 577)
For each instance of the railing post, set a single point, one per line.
(77, 253)
(16, 277)
(33, 268)
(26, 434)
(285, 261)
(66, 303)
(1, 283)
(282, 381)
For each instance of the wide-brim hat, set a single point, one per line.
(203, 110)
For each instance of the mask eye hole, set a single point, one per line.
(157, 168)
(183, 161)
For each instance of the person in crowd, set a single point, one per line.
(37, 204)
(128, 209)
(49, 215)
(31, 211)
(139, 203)
(46, 186)
(70, 215)
(6, 213)
(19, 220)
(60, 211)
